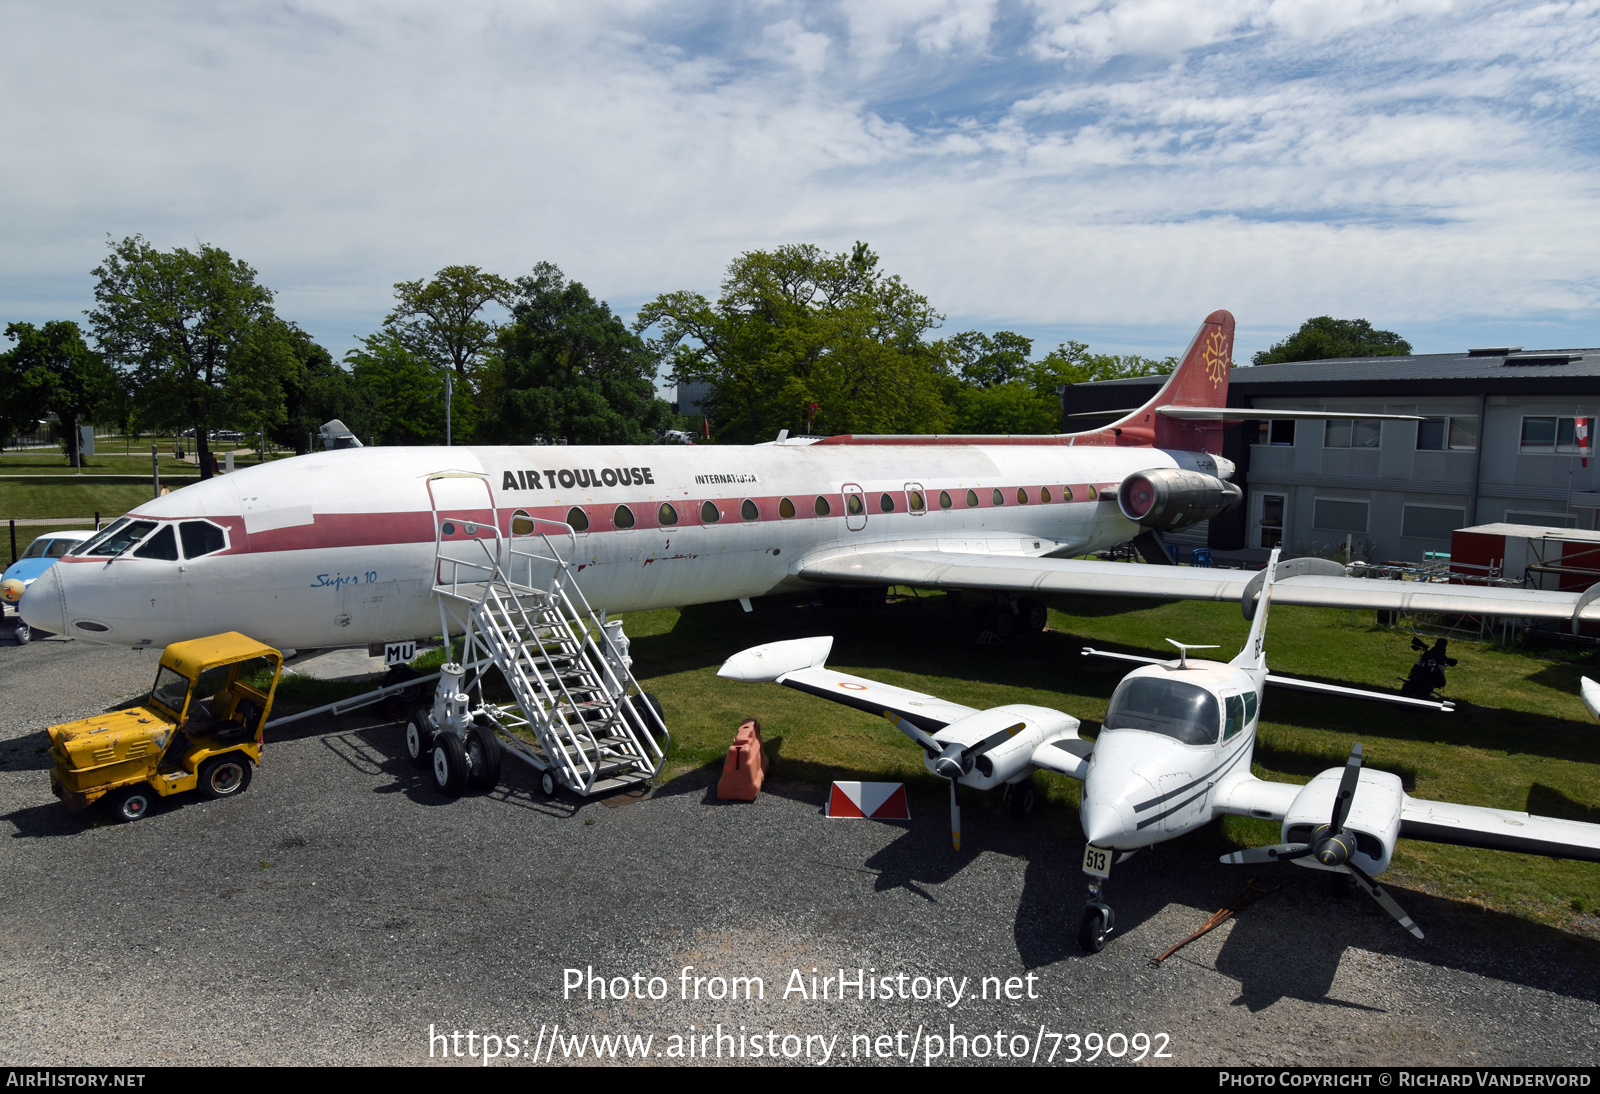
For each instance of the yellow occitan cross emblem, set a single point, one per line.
(1215, 357)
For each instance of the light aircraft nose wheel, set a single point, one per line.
(1021, 797)
(1098, 921)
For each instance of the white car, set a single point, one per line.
(39, 557)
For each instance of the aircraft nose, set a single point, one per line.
(1105, 820)
(40, 606)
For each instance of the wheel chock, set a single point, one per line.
(745, 769)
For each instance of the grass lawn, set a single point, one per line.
(35, 500)
(1519, 738)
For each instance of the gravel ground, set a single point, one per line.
(342, 907)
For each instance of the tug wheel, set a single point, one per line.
(131, 802)
(224, 776)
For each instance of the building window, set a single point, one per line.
(1271, 520)
(1337, 515)
(1348, 433)
(1431, 521)
(1455, 433)
(1541, 519)
(1278, 431)
(1550, 435)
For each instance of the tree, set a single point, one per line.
(197, 334)
(1325, 337)
(439, 322)
(997, 389)
(57, 373)
(795, 327)
(569, 368)
(399, 392)
(320, 390)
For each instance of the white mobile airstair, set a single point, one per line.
(578, 715)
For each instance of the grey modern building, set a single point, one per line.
(1501, 441)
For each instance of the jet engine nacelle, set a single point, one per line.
(1374, 816)
(1172, 497)
(998, 745)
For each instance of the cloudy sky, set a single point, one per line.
(1066, 168)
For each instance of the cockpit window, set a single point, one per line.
(1184, 711)
(163, 546)
(36, 548)
(1235, 707)
(118, 538)
(58, 547)
(201, 537)
(1249, 707)
(94, 541)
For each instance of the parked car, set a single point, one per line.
(39, 557)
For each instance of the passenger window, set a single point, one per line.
(886, 503)
(972, 499)
(200, 537)
(521, 525)
(822, 506)
(709, 513)
(998, 497)
(1093, 493)
(944, 500)
(1249, 707)
(1235, 716)
(667, 515)
(786, 509)
(854, 505)
(915, 499)
(578, 519)
(163, 545)
(1044, 495)
(623, 517)
(749, 511)
(1066, 493)
(1022, 496)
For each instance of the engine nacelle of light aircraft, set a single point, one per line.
(1374, 816)
(998, 745)
(1172, 497)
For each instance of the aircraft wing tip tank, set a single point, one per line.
(765, 664)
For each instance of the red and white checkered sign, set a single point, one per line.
(872, 801)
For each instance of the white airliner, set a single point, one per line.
(1173, 754)
(338, 548)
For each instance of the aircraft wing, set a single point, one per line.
(799, 664)
(1024, 574)
(1499, 829)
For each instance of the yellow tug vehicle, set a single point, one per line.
(199, 728)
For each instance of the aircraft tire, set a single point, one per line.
(1022, 799)
(225, 776)
(483, 755)
(129, 803)
(419, 739)
(1032, 615)
(1095, 930)
(21, 633)
(449, 765)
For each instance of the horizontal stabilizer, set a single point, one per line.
(1358, 693)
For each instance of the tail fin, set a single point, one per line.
(1201, 379)
(1254, 654)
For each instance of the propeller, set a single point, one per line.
(950, 761)
(1332, 844)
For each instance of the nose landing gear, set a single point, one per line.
(1098, 919)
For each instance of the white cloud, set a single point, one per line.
(1110, 165)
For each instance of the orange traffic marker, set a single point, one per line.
(745, 769)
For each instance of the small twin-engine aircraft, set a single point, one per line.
(1173, 754)
(342, 547)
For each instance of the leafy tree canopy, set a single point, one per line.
(401, 392)
(196, 335)
(320, 391)
(796, 328)
(440, 322)
(569, 368)
(51, 370)
(1325, 337)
